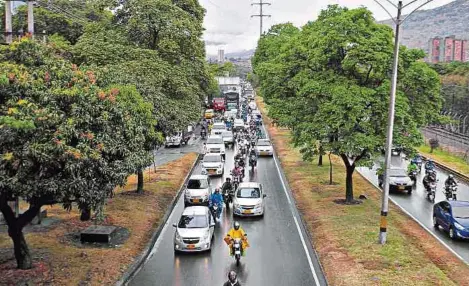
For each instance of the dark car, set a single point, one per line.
(453, 217)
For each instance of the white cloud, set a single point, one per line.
(229, 25)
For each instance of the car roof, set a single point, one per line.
(213, 154)
(459, 203)
(215, 136)
(195, 210)
(249, 185)
(263, 140)
(198, 177)
(239, 120)
(219, 123)
(209, 110)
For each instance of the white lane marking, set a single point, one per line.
(310, 262)
(417, 221)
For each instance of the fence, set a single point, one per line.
(453, 142)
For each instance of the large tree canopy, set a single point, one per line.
(329, 82)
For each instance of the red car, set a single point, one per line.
(219, 104)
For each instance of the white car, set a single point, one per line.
(213, 164)
(215, 144)
(249, 200)
(228, 137)
(218, 128)
(238, 124)
(198, 190)
(264, 148)
(194, 231)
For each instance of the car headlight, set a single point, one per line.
(259, 205)
(236, 205)
(458, 226)
(206, 237)
(178, 237)
(187, 194)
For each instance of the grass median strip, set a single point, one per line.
(345, 237)
(61, 261)
(446, 158)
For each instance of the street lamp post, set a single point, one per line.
(392, 101)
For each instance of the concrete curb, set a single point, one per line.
(461, 176)
(140, 260)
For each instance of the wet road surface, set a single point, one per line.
(422, 209)
(277, 254)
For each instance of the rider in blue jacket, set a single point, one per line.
(216, 198)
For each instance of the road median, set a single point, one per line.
(345, 237)
(61, 260)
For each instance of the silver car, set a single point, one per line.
(194, 231)
(213, 164)
(249, 200)
(264, 148)
(227, 137)
(197, 191)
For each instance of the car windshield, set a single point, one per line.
(197, 184)
(227, 134)
(249, 193)
(212, 158)
(209, 111)
(397, 173)
(193, 221)
(215, 141)
(263, 143)
(461, 212)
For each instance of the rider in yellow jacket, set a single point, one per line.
(236, 232)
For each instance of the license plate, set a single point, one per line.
(264, 153)
(195, 200)
(237, 252)
(191, 246)
(211, 172)
(401, 187)
(247, 211)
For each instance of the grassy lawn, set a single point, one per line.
(60, 261)
(446, 158)
(345, 237)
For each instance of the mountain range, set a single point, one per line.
(448, 20)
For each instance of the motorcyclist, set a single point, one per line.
(227, 185)
(237, 232)
(232, 279)
(412, 167)
(429, 165)
(203, 132)
(450, 181)
(237, 171)
(216, 198)
(429, 178)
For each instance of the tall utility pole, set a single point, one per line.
(392, 102)
(31, 18)
(8, 25)
(261, 14)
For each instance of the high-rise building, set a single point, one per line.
(448, 49)
(221, 56)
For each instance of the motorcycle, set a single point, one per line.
(431, 189)
(228, 197)
(203, 135)
(450, 192)
(413, 177)
(237, 243)
(252, 162)
(235, 180)
(216, 211)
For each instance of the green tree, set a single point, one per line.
(63, 138)
(330, 84)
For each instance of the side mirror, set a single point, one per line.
(212, 224)
(265, 195)
(174, 225)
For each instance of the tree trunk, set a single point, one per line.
(22, 254)
(140, 181)
(431, 149)
(320, 160)
(330, 170)
(349, 183)
(85, 214)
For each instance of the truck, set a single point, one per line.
(219, 104)
(179, 137)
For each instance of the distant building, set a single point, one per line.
(221, 56)
(448, 49)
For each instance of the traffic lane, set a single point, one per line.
(275, 256)
(422, 209)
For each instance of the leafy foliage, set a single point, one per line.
(329, 83)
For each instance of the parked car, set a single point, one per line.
(399, 180)
(213, 164)
(249, 200)
(264, 148)
(209, 113)
(195, 230)
(180, 137)
(198, 190)
(215, 144)
(453, 217)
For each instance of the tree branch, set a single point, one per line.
(6, 210)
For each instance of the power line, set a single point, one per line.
(59, 10)
(261, 15)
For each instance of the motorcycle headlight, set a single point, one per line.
(458, 226)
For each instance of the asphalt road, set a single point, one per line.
(422, 209)
(277, 255)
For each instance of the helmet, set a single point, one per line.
(228, 179)
(217, 190)
(450, 176)
(430, 161)
(232, 276)
(236, 225)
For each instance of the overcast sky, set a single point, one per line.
(229, 25)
